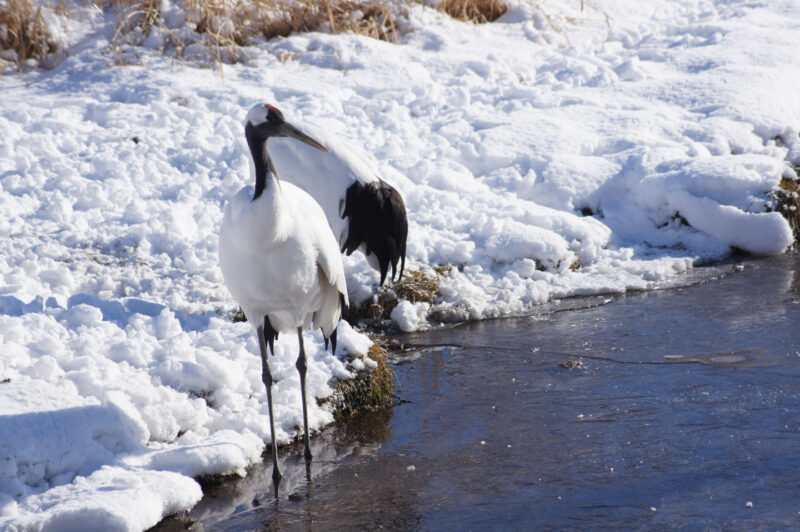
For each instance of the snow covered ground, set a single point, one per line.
(595, 151)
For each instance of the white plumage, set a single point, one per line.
(324, 175)
(364, 212)
(279, 258)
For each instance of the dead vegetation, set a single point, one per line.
(415, 286)
(218, 31)
(477, 11)
(787, 202)
(238, 22)
(372, 19)
(369, 390)
(223, 28)
(24, 34)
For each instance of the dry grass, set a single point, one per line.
(372, 19)
(477, 11)
(415, 286)
(787, 202)
(369, 390)
(418, 287)
(223, 28)
(135, 18)
(23, 30)
(217, 31)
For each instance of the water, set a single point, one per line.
(666, 409)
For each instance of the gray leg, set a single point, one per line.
(266, 376)
(302, 365)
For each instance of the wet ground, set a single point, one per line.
(676, 408)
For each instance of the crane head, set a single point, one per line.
(265, 121)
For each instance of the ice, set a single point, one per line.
(555, 152)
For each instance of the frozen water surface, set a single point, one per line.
(667, 409)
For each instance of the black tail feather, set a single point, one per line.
(402, 262)
(378, 220)
(333, 342)
(333, 337)
(270, 334)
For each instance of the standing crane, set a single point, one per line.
(364, 211)
(279, 258)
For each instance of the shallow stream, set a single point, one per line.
(675, 408)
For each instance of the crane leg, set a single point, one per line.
(266, 376)
(302, 366)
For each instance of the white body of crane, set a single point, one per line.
(280, 259)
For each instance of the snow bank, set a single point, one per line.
(539, 158)
(111, 408)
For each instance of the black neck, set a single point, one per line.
(261, 160)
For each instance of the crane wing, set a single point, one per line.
(378, 221)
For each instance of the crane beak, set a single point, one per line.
(291, 131)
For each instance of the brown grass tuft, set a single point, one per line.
(372, 19)
(415, 286)
(364, 17)
(369, 390)
(477, 11)
(24, 31)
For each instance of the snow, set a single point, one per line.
(541, 156)
(409, 316)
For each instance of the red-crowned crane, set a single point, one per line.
(280, 259)
(364, 211)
